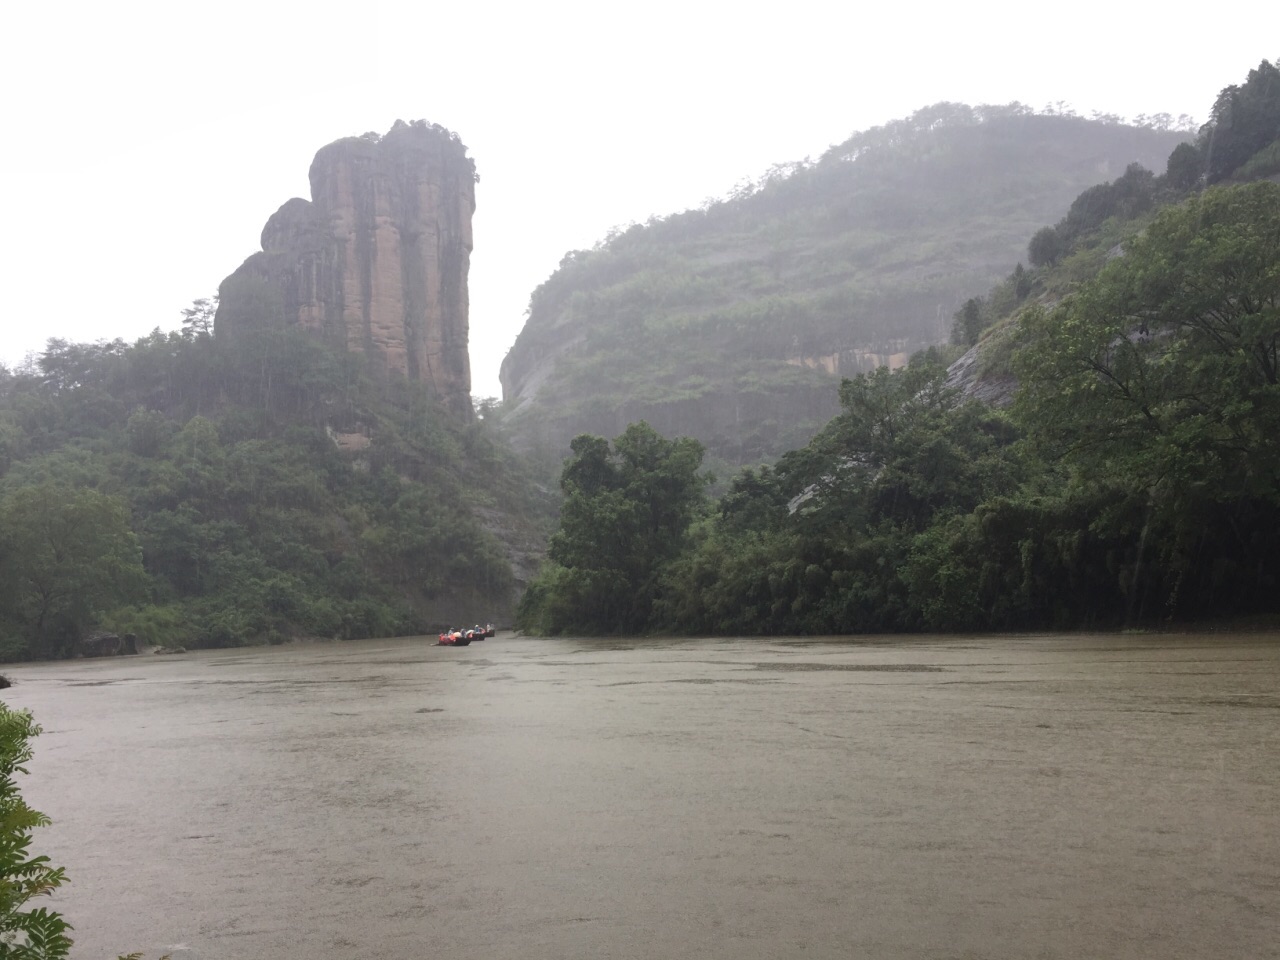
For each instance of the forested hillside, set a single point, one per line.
(734, 323)
(203, 491)
(1240, 143)
(1134, 480)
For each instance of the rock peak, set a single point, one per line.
(376, 261)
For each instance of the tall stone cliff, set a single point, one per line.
(376, 260)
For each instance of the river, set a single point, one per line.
(965, 797)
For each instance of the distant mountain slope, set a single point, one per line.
(734, 323)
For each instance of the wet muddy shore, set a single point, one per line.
(948, 797)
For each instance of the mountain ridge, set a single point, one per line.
(734, 323)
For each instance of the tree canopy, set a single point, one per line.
(66, 557)
(1245, 118)
(198, 491)
(26, 933)
(625, 516)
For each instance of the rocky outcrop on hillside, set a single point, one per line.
(966, 376)
(376, 261)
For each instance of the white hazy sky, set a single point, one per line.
(145, 144)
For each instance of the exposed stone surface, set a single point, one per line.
(376, 261)
(965, 375)
(356, 442)
(105, 644)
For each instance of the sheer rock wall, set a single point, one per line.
(376, 261)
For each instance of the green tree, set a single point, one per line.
(967, 323)
(197, 319)
(25, 934)
(1185, 167)
(66, 556)
(1021, 282)
(1126, 197)
(1244, 119)
(1159, 381)
(1169, 361)
(1045, 248)
(625, 516)
(38, 934)
(147, 430)
(822, 542)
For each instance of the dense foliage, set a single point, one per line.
(835, 538)
(1244, 123)
(192, 491)
(67, 556)
(1136, 479)
(1158, 382)
(623, 520)
(25, 933)
(733, 323)
(1239, 143)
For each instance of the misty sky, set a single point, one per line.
(146, 144)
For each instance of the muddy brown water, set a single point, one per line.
(1009, 797)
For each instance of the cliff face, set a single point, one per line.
(376, 261)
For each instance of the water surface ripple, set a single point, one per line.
(1010, 797)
